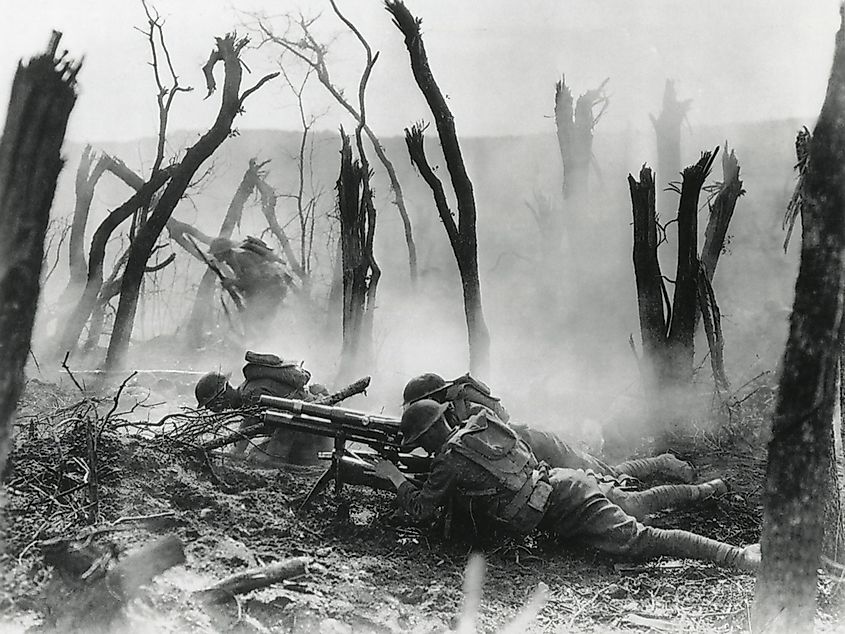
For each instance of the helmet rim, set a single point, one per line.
(436, 412)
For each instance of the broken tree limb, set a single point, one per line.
(255, 578)
(97, 605)
(42, 97)
(228, 48)
(712, 321)
(721, 212)
(685, 300)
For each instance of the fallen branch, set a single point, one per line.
(70, 374)
(254, 578)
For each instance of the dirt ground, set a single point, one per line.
(371, 570)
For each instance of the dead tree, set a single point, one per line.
(75, 323)
(88, 175)
(793, 209)
(667, 127)
(462, 235)
(357, 229)
(721, 211)
(801, 449)
(305, 212)
(668, 329)
(313, 54)
(575, 127)
(42, 97)
(227, 50)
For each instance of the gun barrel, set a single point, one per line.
(335, 414)
(334, 428)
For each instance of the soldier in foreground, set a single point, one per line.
(466, 396)
(270, 375)
(487, 467)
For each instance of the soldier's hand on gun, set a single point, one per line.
(386, 469)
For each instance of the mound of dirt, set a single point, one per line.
(371, 572)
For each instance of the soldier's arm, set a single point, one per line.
(422, 504)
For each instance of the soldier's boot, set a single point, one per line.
(641, 503)
(665, 464)
(679, 543)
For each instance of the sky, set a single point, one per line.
(497, 60)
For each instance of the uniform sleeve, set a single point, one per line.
(421, 504)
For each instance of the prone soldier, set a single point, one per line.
(270, 375)
(489, 468)
(466, 396)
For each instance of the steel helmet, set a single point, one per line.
(209, 387)
(422, 386)
(418, 419)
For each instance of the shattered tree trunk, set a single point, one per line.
(667, 127)
(685, 301)
(200, 312)
(42, 97)
(575, 137)
(227, 50)
(88, 175)
(649, 280)
(721, 212)
(463, 237)
(801, 449)
(354, 199)
(668, 330)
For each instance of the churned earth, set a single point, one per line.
(369, 570)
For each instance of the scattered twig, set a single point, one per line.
(70, 374)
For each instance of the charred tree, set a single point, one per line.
(575, 125)
(42, 97)
(313, 54)
(801, 448)
(462, 236)
(75, 323)
(667, 127)
(88, 175)
(227, 50)
(357, 229)
(721, 212)
(668, 328)
(715, 235)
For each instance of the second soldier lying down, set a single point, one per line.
(466, 396)
(493, 472)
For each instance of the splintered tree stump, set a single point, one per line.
(42, 97)
(95, 606)
(253, 579)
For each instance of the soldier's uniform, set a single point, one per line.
(468, 396)
(267, 374)
(494, 472)
(258, 275)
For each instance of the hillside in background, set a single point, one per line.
(414, 332)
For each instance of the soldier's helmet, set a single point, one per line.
(422, 386)
(418, 419)
(210, 387)
(220, 246)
